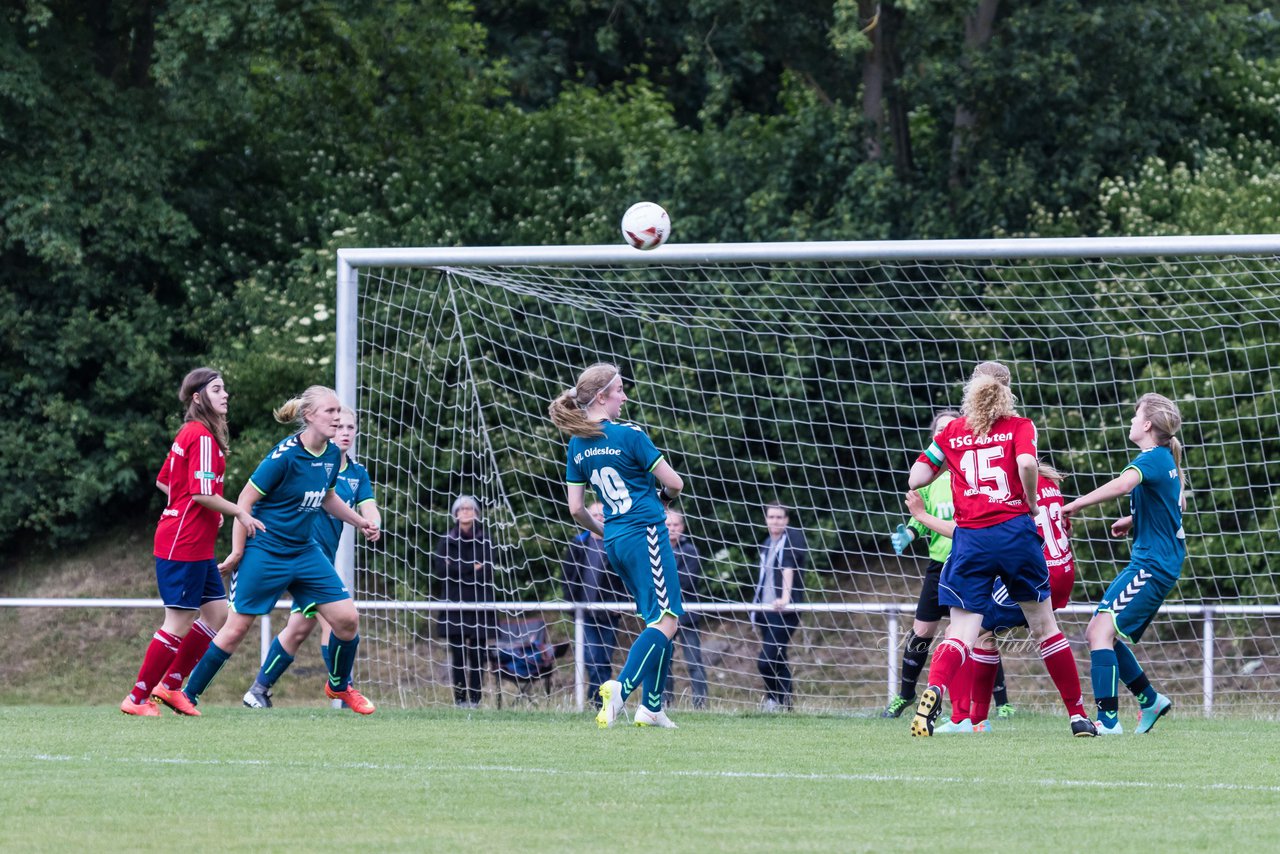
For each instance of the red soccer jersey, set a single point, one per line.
(984, 472)
(195, 466)
(1057, 546)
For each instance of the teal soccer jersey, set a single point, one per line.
(354, 488)
(619, 468)
(293, 483)
(1158, 538)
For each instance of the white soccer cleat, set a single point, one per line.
(611, 702)
(644, 717)
(953, 727)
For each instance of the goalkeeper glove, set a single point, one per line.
(901, 538)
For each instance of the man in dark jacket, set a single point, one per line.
(463, 563)
(687, 639)
(588, 579)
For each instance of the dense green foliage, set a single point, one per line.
(175, 175)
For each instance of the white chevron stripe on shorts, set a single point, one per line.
(1132, 589)
(655, 567)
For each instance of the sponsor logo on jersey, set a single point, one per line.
(966, 441)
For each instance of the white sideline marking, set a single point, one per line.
(640, 772)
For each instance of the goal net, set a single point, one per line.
(805, 374)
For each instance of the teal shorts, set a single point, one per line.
(643, 558)
(262, 577)
(1135, 597)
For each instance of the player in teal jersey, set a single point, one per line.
(1153, 482)
(632, 479)
(293, 483)
(356, 491)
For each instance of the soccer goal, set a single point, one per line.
(807, 374)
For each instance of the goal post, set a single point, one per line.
(807, 374)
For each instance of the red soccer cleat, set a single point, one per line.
(145, 709)
(353, 698)
(175, 700)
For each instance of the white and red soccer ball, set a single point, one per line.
(646, 225)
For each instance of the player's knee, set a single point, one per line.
(345, 624)
(1100, 634)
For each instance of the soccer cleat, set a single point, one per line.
(644, 717)
(175, 700)
(897, 706)
(1005, 710)
(1082, 727)
(611, 701)
(356, 701)
(983, 726)
(145, 709)
(927, 712)
(257, 697)
(954, 727)
(1147, 717)
(1103, 729)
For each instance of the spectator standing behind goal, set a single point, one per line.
(688, 639)
(633, 481)
(936, 503)
(464, 565)
(356, 491)
(991, 454)
(783, 555)
(588, 580)
(195, 602)
(1154, 484)
(294, 482)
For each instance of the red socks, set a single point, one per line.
(1061, 665)
(189, 652)
(985, 666)
(948, 658)
(160, 652)
(960, 689)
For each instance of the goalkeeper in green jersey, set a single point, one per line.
(937, 503)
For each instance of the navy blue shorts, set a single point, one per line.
(1011, 552)
(188, 584)
(647, 565)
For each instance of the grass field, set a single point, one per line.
(89, 778)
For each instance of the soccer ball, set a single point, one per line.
(646, 225)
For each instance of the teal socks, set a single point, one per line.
(343, 658)
(645, 655)
(206, 668)
(655, 681)
(1132, 676)
(1103, 669)
(276, 663)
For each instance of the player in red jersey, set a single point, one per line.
(991, 454)
(968, 713)
(186, 571)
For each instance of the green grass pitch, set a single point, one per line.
(92, 779)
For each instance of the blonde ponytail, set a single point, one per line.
(1165, 420)
(568, 410)
(295, 409)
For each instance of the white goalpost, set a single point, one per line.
(805, 374)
